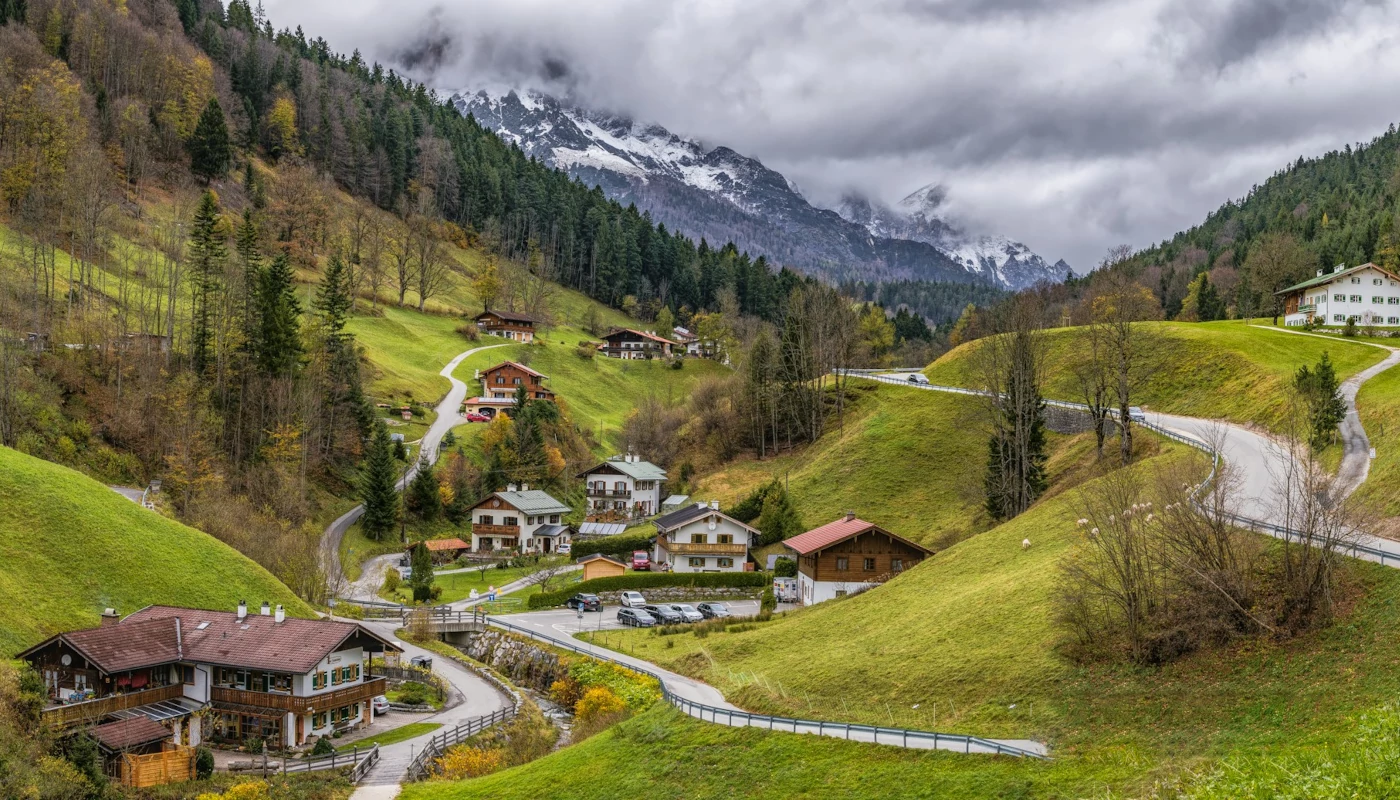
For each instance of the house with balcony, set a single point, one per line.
(1365, 294)
(624, 486)
(502, 381)
(268, 676)
(519, 519)
(698, 538)
(847, 556)
(633, 344)
(507, 324)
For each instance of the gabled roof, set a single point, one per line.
(129, 733)
(839, 531)
(600, 557)
(508, 316)
(684, 335)
(164, 634)
(636, 470)
(551, 530)
(515, 364)
(1328, 277)
(438, 545)
(530, 501)
(685, 516)
(642, 334)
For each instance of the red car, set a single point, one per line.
(477, 416)
(641, 561)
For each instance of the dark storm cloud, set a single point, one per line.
(1070, 124)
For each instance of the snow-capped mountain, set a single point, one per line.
(1009, 262)
(723, 196)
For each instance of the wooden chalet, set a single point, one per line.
(507, 324)
(849, 555)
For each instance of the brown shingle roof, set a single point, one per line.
(643, 334)
(508, 316)
(127, 644)
(129, 733)
(435, 545)
(839, 531)
(515, 364)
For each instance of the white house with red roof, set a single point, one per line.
(847, 556)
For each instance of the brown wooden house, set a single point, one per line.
(507, 324)
(506, 378)
(633, 344)
(849, 555)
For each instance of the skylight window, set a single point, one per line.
(201, 626)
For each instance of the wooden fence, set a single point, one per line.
(155, 769)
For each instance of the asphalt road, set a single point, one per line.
(448, 417)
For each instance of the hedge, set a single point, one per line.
(651, 580)
(617, 545)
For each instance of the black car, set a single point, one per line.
(635, 617)
(585, 602)
(666, 614)
(713, 610)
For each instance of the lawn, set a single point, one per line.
(1378, 404)
(407, 350)
(392, 736)
(458, 585)
(70, 547)
(965, 643)
(663, 755)
(1226, 370)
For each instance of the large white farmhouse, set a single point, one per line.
(1367, 294)
(699, 538)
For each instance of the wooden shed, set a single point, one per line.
(601, 566)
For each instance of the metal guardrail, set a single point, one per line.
(1354, 549)
(733, 718)
(421, 766)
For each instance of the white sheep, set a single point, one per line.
(1025, 544)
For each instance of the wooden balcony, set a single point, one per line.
(496, 530)
(618, 494)
(356, 693)
(94, 710)
(704, 549)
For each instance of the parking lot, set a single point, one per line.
(569, 622)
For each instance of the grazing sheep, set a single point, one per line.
(1025, 544)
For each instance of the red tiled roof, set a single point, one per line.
(515, 364)
(435, 545)
(128, 733)
(839, 531)
(129, 644)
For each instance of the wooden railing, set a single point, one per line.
(495, 530)
(95, 710)
(359, 692)
(699, 548)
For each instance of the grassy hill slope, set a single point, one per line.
(70, 547)
(965, 642)
(1226, 370)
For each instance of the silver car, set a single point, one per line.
(687, 612)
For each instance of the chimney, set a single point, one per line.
(850, 516)
(714, 505)
(524, 487)
(110, 617)
(242, 609)
(1319, 273)
(510, 487)
(266, 609)
(281, 615)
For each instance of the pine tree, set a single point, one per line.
(209, 146)
(423, 498)
(333, 301)
(279, 317)
(421, 577)
(12, 10)
(779, 519)
(246, 243)
(378, 475)
(1320, 392)
(207, 254)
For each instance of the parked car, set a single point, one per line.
(633, 599)
(667, 615)
(687, 612)
(477, 416)
(380, 704)
(713, 610)
(585, 602)
(564, 548)
(641, 561)
(421, 662)
(635, 618)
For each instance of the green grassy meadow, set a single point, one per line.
(1227, 370)
(70, 546)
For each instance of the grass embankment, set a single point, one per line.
(392, 736)
(70, 547)
(909, 460)
(1224, 370)
(1378, 404)
(664, 755)
(968, 638)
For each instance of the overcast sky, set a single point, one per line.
(1069, 124)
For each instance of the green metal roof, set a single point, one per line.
(1328, 277)
(636, 470)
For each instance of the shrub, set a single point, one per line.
(467, 761)
(323, 747)
(413, 693)
(203, 763)
(392, 579)
(253, 744)
(784, 567)
(565, 691)
(247, 790)
(678, 363)
(422, 594)
(470, 332)
(585, 351)
(596, 710)
(769, 602)
(652, 580)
